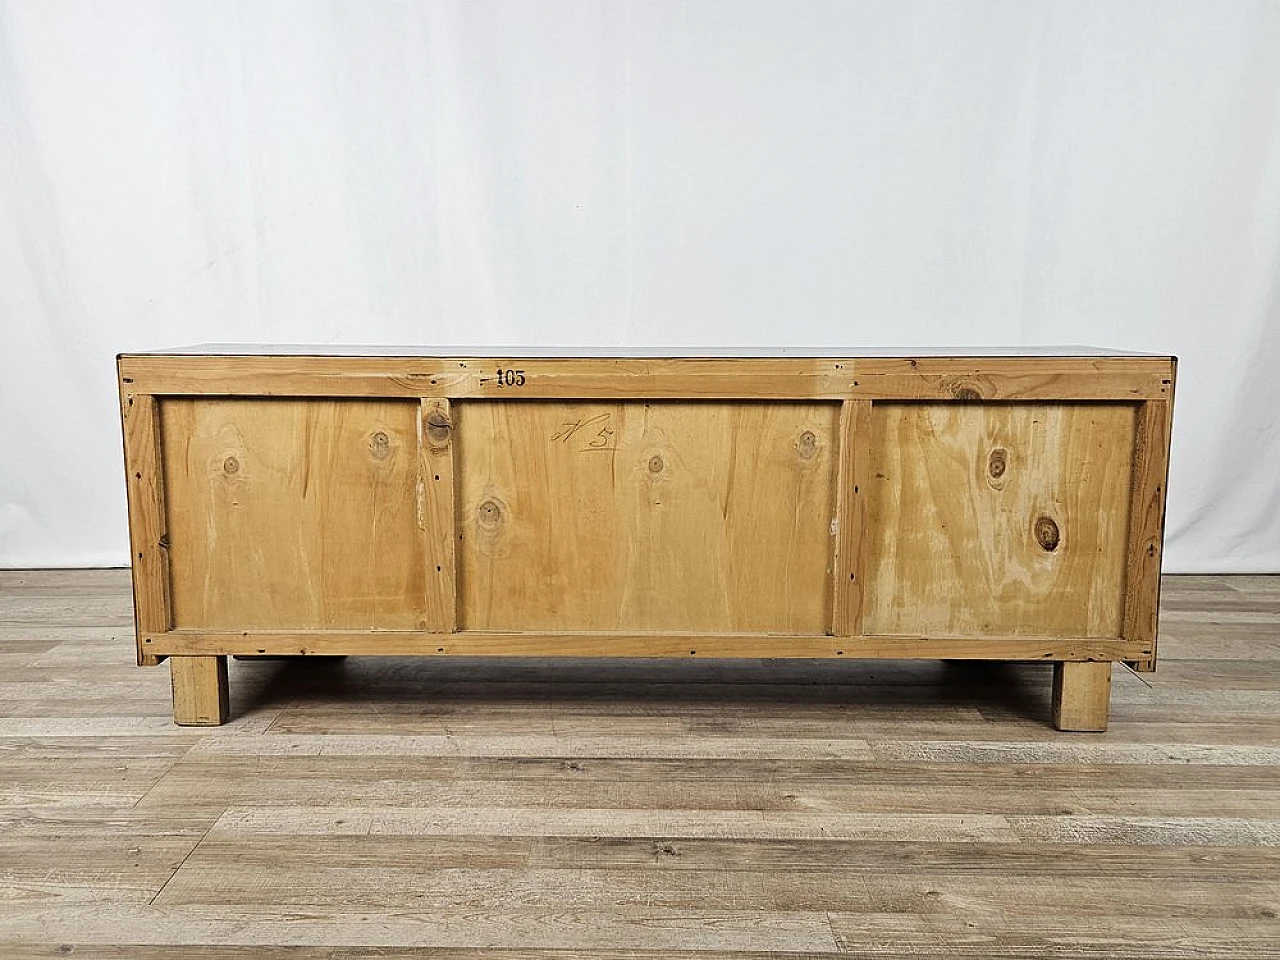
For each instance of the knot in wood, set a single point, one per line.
(438, 427)
(231, 465)
(998, 462)
(380, 445)
(1047, 533)
(656, 464)
(490, 513)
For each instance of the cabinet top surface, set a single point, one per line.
(620, 352)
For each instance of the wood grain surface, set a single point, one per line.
(574, 809)
(646, 516)
(1007, 377)
(998, 519)
(292, 512)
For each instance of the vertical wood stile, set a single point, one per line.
(1146, 525)
(436, 514)
(1082, 696)
(851, 518)
(140, 414)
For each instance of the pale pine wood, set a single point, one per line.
(144, 475)
(200, 693)
(1081, 695)
(294, 513)
(956, 496)
(1014, 378)
(1146, 525)
(653, 643)
(622, 810)
(1116, 378)
(646, 516)
(436, 515)
(849, 562)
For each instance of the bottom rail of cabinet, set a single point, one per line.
(473, 643)
(198, 660)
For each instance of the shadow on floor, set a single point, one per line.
(995, 689)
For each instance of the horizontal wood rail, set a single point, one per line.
(476, 643)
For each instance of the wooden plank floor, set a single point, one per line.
(571, 810)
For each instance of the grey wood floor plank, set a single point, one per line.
(868, 858)
(660, 929)
(202, 882)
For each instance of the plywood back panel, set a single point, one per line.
(990, 519)
(645, 516)
(294, 513)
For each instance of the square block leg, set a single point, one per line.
(199, 691)
(1081, 696)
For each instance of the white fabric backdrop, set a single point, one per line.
(629, 174)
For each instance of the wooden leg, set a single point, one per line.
(1081, 696)
(199, 691)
